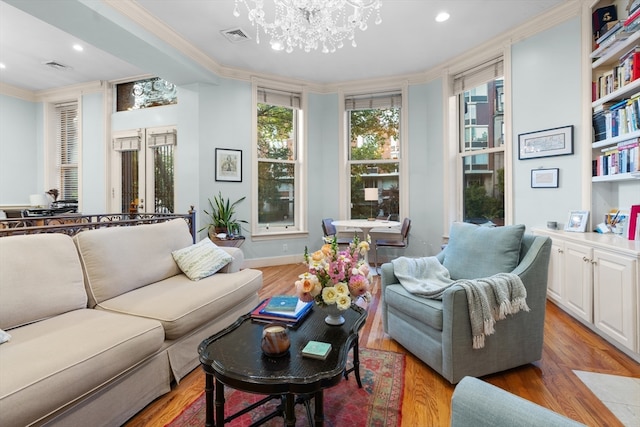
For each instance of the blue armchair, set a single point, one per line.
(438, 332)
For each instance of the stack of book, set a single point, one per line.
(287, 309)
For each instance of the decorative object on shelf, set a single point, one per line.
(371, 195)
(335, 278)
(544, 178)
(228, 165)
(310, 24)
(222, 217)
(546, 143)
(577, 221)
(275, 340)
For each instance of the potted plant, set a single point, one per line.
(221, 215)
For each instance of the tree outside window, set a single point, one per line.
(276, 153)
(374, 154)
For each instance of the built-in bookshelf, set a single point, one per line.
(616, 91)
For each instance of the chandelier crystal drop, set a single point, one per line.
(311, 24)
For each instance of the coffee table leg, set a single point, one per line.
(219, 404)
(208, 394)
(356, 363)
(289, 410)
(319, 403)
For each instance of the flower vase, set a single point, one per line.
(334, 315)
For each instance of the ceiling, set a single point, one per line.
(181, 40)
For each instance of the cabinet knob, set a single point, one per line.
(594, 262)
(560, 251)
(585, 259)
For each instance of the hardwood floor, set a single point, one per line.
(568, 345)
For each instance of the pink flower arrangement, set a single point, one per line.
(335, 277)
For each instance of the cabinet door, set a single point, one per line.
(614, 292)
(578, 281)
(555, 278)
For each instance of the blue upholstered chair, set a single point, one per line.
(438, 332)
(480, 404)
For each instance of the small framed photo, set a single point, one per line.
(577, 221)
(546, 143)
(544, 178)
(228, 165)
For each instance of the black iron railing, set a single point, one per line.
(72, 224)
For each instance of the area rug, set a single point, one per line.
(377, 404)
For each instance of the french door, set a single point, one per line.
(143, 170)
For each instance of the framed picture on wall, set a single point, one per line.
(546, 143)
(228, 165)
(577, 221)
(544, 178)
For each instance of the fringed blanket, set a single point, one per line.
(489, 299)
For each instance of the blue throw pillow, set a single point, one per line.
(475, 252)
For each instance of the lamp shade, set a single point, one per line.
(370, 194)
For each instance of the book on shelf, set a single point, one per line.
(317, 350)
(608, 42)
(601, 16)
(632, 17)
(630, 63)
(614, 29)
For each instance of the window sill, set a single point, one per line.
(279, 235)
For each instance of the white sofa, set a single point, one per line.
(101, 324)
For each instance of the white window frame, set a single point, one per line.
(345, 162)
(300, 223)
(52, 168)
(453, 205)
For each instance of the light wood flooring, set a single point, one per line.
(568, 346)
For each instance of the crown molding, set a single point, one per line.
(16, 92)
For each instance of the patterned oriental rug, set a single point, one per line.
(377, 404)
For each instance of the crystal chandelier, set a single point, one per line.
(311, 24)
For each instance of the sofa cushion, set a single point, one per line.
(40, 277)
(201, 260)
(50, 363)
(117, 260)
(476, 251)
(425, 310)
(182, 305)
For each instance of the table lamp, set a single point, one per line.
(371, 194)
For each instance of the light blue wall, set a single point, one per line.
(21, 164)
(93, 196)
(547, 93)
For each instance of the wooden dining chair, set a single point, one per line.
(401, 243)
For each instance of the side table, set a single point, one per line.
(235, 242)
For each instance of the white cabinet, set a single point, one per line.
(578, 282)
(594, 278)
(615, 287)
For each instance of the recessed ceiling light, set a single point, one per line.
(2, 66)
(78, 47)
(442, 16)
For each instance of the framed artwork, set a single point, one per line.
(544, 178)
(228, 165)
(577, 221)
(546, 143)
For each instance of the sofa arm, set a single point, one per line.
(236, 263)
(477, 403)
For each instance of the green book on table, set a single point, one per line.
(317, 350)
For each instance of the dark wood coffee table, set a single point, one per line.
(233, 357)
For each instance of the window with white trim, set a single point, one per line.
(279, 118)
(373, 123)
(481, 147)
(67, 150)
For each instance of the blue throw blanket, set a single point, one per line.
(489, 299)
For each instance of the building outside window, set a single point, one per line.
(373, 123)
(278, 136)
(481, 144)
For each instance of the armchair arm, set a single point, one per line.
(477, 403)
(236, 263)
